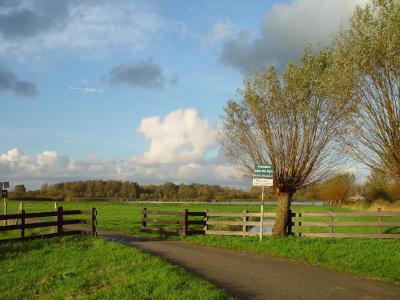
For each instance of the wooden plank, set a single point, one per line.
(42, 224)
(365, 224)
(217, 232)
(164, 212)
(352, 214)
(42, 214)
(197, 213)
(163, 221)
(346, 224)
(41, 236)
(271, 215)
(196, 222)
(310, 224)
(224, 214)
(240, 223)
(351, 235)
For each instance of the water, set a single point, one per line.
(295, 203)
(256, 229)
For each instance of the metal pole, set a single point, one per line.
(262, 213)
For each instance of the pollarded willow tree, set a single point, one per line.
(296, 122)
(372, 47)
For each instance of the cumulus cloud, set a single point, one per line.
(284, 31)
(10, 82)
(177, 152)
(182, 136)
(29, 27)
(144, 74)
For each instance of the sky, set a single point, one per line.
(135, 90)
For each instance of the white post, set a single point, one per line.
(262, 213)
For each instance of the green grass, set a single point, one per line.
(126, 217)
(368, 257)
(76, 267)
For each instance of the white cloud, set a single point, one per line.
(85, 90)
(220, 31)
(88, 27)
(178, 144)
(182, 136)
(285, 29)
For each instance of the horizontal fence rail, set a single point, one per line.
(331, 220)
(181, 219)
(238, 223)
(301, 224)
(24, 220)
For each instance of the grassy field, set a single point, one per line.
(126, 217)
(368, 257)
(86, 268)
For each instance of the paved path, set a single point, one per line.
(252, 276)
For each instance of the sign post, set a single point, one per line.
(4, 195)
(263, 176)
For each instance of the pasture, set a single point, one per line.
(373, 258)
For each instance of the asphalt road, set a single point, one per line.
(252, 276)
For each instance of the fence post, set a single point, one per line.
(60, 219)
(205, 221)
(379, 214)
(331, 223)
(94, 221)
(185, 222)
(289, 230)
(22, 230)
(5, 222)
(144, 216)
(20, 208)
(299, 223)
(56, 217)
(244, 220)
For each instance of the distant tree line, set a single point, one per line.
(126, 190)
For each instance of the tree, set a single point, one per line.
(294, 122)
(338, 188)
(19, 190)
(372, 47)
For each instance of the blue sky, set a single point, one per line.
(91, 89)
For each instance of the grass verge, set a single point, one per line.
(379, 259)
(76, 267)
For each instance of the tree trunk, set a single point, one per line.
(282, 214)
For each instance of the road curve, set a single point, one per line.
(252, 276)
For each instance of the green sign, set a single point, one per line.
(263, 171)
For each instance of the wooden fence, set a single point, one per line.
(237, 223)
(376, 222)
(23, 221)
(181, 221)
(300, 224)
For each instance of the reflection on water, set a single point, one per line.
(296, 203)
(256, 229)
(316, 203)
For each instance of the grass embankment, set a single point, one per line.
(379, 259)
(76, 267)
(366, 257)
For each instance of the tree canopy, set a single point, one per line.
(296, 122)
